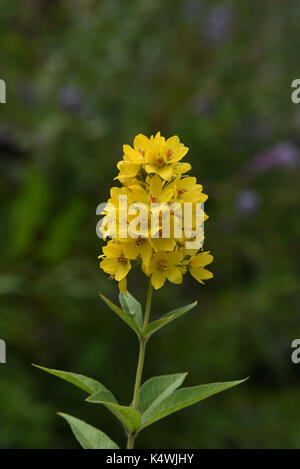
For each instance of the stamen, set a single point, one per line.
(162, 265)
(169, 153)
(181, 191)
(139, 241)
(122, 260)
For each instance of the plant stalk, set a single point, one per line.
(139, 371)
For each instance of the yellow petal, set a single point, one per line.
(155, 185)
(158, 279)
(166, 196)
(131, 155)
(146, 270)
(130, 250)
(150, 168)
(181, 168)
(128, 169)
(172, 141)
(202, 259)
(166, 172)
(201, 274)
(139, 194)
(122, 270)
(174, 275)
(108, 265)
(141, 142)
(163, 244)
(146, 252)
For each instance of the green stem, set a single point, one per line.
(139, 371)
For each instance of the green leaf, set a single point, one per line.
(83, 382)
(129, 417)
(156, 389)
(184, 397)
(132, 307)
(89, 437)
(166, 319)
(126, 318)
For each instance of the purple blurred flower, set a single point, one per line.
(70, 98)
(284, 154)
(217, 23)
(247, 201)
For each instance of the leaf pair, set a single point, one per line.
(131, 313)
(158, 398)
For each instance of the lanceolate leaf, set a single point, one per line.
(129, 417)
(157, 389)
(89, 437)
(166, 319)
(124, 316)
(88, 385)
(184, 397)
(132, 307)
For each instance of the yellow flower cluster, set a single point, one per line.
(151, 173)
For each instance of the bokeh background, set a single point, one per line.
(84, 77)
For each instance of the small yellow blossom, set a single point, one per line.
(196, 266)
(187, 190)
(115, 263)
(140, 246)
(155, 155)
(165, 265)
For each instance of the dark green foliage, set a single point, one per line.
(82, 79)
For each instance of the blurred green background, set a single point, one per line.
(84, 77)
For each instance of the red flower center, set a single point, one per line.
(169, 153)
(122, 259)
(162, 265)
(139, 241)
(181, 191)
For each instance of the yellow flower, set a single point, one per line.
(187, 190)
(138, 247)
(196, 266)
(133, 159)
(165, 265)
(151, 173)
(155, 192)
(115, 263)
(163, 156)
(155, 155)
(174, 150)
